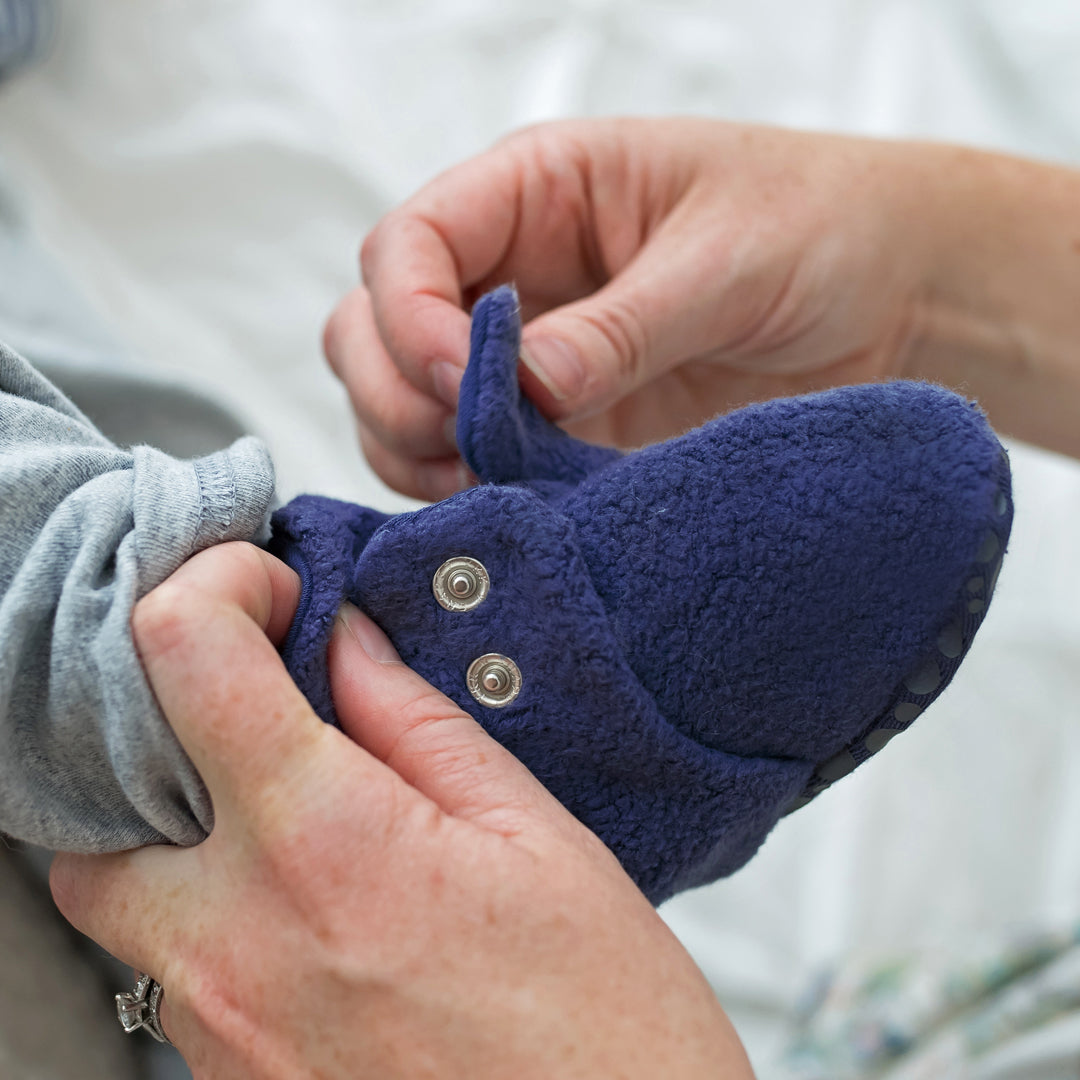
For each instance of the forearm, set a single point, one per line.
(87, 762)
(1000, 315)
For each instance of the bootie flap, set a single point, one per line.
(684, 642)
(322, 540)
(500, 434)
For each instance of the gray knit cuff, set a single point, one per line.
(224, 496)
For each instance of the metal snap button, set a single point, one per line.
(493, 679)
(460, 584)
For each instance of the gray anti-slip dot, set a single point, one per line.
(877, 739)
(990, 546)
(976, 607)
(839, 765)
(924, 679)
(1001, 504)
(975, 586)
(906, 711)
(951, 640)
(994, 571)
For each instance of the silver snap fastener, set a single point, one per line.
(460, 584)
(493, 679)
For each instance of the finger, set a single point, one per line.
(222, 685)
(423, 736)
(402, 418)
(420, 259)
(127, 902)
(245, 575)
(669, 304)
(428, 480)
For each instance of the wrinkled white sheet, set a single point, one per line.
(208, 169)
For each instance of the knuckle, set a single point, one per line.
(432, 736)
(411, 338)
(64, 886)
(382, 418)
(369, 247)
(248, 566)
(372, 246)
(395, 420)
(397, 472)
(624, 334)
(537, 130)
(424, 704)
(385, 464)
(159, 621)
(331, 340)
(243, 558)
(340, 326)
(366, 404)
(407, 424)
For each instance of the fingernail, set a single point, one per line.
(557, 365)
(446, 378)
(371, 639)
(450, 430)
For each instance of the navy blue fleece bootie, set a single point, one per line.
(685, 642)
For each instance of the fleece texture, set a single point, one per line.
(710, 631)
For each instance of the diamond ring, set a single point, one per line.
(140, 1008)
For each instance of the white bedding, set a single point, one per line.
(207, 171)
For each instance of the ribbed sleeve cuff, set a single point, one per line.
(181, 507)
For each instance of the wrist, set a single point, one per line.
(997, 316)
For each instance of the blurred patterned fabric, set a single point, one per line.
(1002, 1012)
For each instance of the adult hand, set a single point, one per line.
(408, 904)
(669, 269)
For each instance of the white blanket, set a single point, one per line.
(207, 171)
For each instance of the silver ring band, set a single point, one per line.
(140, 1009)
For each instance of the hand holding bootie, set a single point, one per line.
(685, 642)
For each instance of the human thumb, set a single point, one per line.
(662, 309)
(583, 356)
(400, 718)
